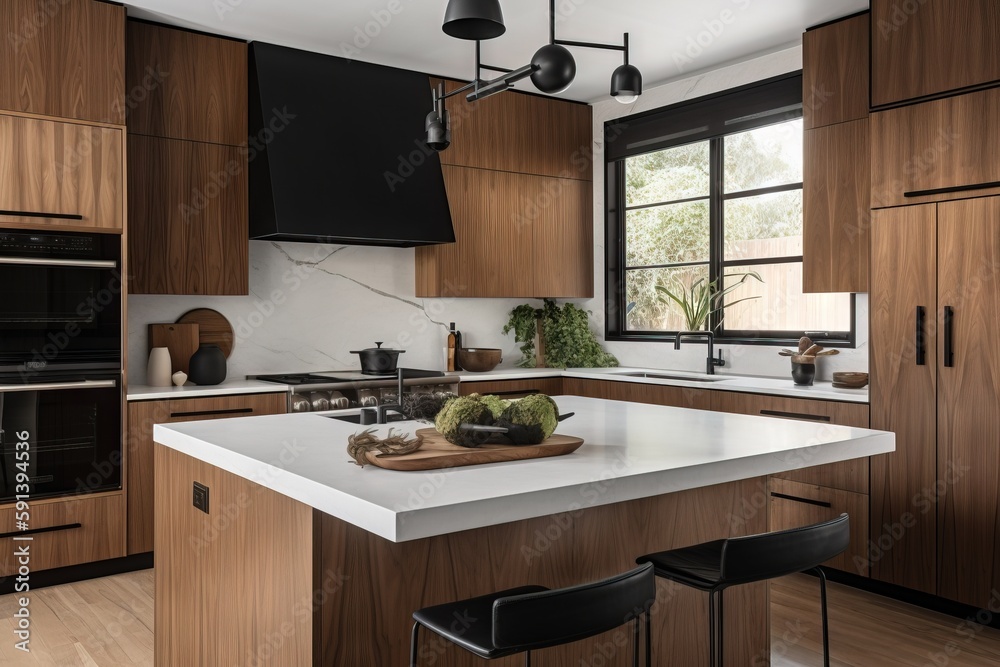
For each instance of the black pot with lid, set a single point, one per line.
(378, 360)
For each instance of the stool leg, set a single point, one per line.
(527, 659)
(635, 642)
(826, 624)
(649, 639)
(711, 629)
(413, 644)
(722, 626)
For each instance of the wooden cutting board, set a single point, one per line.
(180, 339)
(437, 452)
(213, 328)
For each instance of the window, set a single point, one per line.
(709, 191)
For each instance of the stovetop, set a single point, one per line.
(327, 377)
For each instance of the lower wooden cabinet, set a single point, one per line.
(514, 388)
(793, 504)
(143, 415)
(61, 175)
(83, 529)
(188, 218)
(636, 392)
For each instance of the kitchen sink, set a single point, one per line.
(685, 378)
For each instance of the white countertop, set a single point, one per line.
(147, 393)
(631, 451)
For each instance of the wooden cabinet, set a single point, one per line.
(903, 394)
(794, 504)
(187, 164)
(194, 85)
(968, 402)
(922, 48)
(518, 176)
(68, 170)
(142, 416)
(637, 392)
(516, 235)
(939, 150)
(848, 475)
(63, 58)
(836, 188)
(190, 231)
(80, 529)
(835, 67)
(552, 386)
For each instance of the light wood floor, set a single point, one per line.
(109, 623)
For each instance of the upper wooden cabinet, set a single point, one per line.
(64, 59)
(522, 133)
(931, 47)
(938, 150)
(835, 66)
(192, 86)
(836, 189)
(516, 235)
(190, 231)
(68, 170)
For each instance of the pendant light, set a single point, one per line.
(473, 19)
(626, 80)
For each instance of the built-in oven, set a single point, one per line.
(63, 433)
(61, 302)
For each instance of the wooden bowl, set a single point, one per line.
(479, 359)
(846, 380)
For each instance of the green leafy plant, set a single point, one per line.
(569, 342)
(703, 298)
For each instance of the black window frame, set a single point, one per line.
(756, 105)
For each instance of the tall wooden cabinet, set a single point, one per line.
(518, 176)
(836, 182)
(922, 48)
(63, 59)
(936, 383)
(188, 189)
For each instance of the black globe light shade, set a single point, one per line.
(555, 68)
(438, 131)
(626, 84)
(473, 19)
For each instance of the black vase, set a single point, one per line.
(803, 374)
(207, 366)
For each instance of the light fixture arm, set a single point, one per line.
(584, 45)
(484, 88)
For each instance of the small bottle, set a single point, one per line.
(452, 349)
(458, 346)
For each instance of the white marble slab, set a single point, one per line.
(631, 451)
(147, 393)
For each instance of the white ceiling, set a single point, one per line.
(670, 38)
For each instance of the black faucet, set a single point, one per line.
(381, 413)
(712, 361)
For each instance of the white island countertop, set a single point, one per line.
(631, 451)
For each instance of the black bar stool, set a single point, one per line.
(523, 619)
(715, 566)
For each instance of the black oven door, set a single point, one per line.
(73, 431)
(61, 304)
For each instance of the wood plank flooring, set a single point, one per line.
(109, 623)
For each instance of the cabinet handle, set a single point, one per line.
(520, 392)
(949, 346)
(36, 531)
(806, 501)
(952, 188)
(35, 214)
(919, 339)
(795, 415)
(200, 413)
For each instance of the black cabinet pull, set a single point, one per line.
(952, 188)
(36, 214)
(949, 346)
(806, 501)
(919, 339)
(795, 415)
(202, 413)
(36, 531)
(521, 392)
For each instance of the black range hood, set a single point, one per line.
(336, 153)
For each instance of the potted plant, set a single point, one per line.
(564, 338)
(703, 298)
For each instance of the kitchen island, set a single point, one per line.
(304, 558)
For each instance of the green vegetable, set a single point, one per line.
(470, 409)
(569, 342)
(537, 410)
(496, 404)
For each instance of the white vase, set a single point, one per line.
(158, 369)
